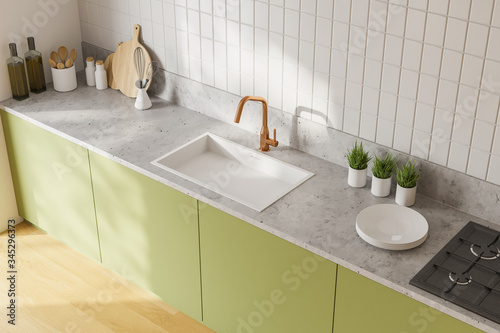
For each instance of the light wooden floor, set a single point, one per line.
(59, 290)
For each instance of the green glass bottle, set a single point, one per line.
(17, 75)
(34, 65)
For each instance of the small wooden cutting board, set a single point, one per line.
(124, 71)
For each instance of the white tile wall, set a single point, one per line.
(419, 76)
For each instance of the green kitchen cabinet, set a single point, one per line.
(363, 305)
(255, 282)
(148, 233)
(52, 183)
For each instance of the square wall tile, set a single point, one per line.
(459, 154)
(447, 94)
(325, 8)
(424, 117)
(405, 112)
(477, 37)
(471, 70)
(321, 82)
(493, 174)
(452, 63)
(385, 132)
(370, 100)
(481, 11)
(396, 17)
(478, 163)
(387, 107)
(261, 15)
(493, 46)
(443, 121)
(373, 73)
(420, 144)
(496, 142)
(483, 135)
(337, 89)
(307, 27)
(390, 78)
(427, 89)
(290, 101)
(455, 34)
(335, 115)
(276, 19)
(434, 29)
(357, 40)
(402, 138)
(439, 6)
(375, 42)
(306, 54)
(462, 130)
(460, 9)
(322, 59)
(308, 7)
(290, 73)
(355, 65)
(324, 31)
(467, 101)
(291, 23)
(415, 25)
(368, 127)
(487, 109)
(393, 50)
(276, 71)
(412, 55)
(408, 84)
(431, 60)
(342, 10)
(439, 151)
(353, 95)
(351, 121)
(305, 80)
(338, 66)
(359, 16)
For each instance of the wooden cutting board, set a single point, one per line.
(108, 67)
(124, 72)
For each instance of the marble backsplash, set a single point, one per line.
(452, 188)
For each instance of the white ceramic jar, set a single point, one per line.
(381, 187)
(90, 72)
(101, 77)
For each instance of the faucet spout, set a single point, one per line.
(265, 141)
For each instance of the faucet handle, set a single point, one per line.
(273, 142)
(275, 134)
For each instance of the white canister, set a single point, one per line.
(406, 196)
(90, 72)
(381, 187)
(101, 77)
(64, 79)
(357, 178)
(142, 102)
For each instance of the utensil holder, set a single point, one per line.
(142, 102)
(64, 79)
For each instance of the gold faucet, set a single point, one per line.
(265, 141)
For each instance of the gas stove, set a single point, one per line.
(466, 271)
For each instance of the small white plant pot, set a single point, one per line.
(357, 178)
(142, 101)
(405, 196)
(381, 187)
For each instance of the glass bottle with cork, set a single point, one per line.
(34, 65)
(17, 75)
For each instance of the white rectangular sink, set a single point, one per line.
(232, 170)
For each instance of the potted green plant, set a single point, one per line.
(406, 190)
(358, 160)
(382, 170)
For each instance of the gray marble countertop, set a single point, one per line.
(319, 215)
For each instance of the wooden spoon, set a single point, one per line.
(52, 63)
(54, 57)
(69, 63)
(72, 55)
(60, 65)
(63, 53)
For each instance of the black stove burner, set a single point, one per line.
(467, 271)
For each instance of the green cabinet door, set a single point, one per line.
(148, 234)
(255, 282)
(363, 305)
(52, 184)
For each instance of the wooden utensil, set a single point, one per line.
(54, 57)
(123, 64)
(72, 55)
(69, 63)
(60, 65)
(63, 53)
(108, 67)
(52, 63)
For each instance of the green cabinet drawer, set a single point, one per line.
(363, 305)
(148, 234)
(255, 282)
(52, 183)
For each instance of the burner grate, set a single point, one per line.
(467, 271)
